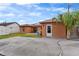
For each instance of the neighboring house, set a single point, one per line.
(53, 28)
(7, 28)
(33, 28)
(26, 28)
(37, 28)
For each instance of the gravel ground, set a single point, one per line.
(25, 46)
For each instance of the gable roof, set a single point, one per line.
(6, 24)
(49, 20)
(36, 24)
(30, 25)
(25, 25)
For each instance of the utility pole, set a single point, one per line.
(68, 9)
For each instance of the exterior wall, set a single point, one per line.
(3, 30)
(26, 29)
(43, 29)
(30, 29)
(58, 30)
(13, 28)
(39, 30)
(21, 29)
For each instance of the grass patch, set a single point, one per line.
(19, 34)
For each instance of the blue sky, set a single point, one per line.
(32, 13)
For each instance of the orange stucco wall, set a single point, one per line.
(30, 29)
(43, 29)
(26, 29)
(58, 30)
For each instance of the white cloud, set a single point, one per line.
(50, 8)
(39, 8)
(7, 15)
(58, 9)
(64, 10)
(1, 21)
(20, 3)
(20, 15)
(61, 9)
(10, 14)
(35, 14)
(35, 5)
(22, 22)
(44, 9)
(3, 6)
(44, 19)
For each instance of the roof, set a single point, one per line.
(26, 25)
(30, 25)
(49, 20)
(6, 24)
(36, 24)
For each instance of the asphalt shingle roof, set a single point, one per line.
(6, 24)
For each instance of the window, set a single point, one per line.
(49, 29)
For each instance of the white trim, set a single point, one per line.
(49, 34)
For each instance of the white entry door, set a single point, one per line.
(49, 30)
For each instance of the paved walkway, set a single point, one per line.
(22, 46)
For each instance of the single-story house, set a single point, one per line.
(26, 28)
(56, 29)
(49, 28)
(52, 28)
(7, 28)
(29, 28)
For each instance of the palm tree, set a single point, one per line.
(76, 16)
(69, 20)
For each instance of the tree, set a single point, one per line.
(76, 17)
(69, 21)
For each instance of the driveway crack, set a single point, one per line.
(60, 48)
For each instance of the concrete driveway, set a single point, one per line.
(23, 46)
